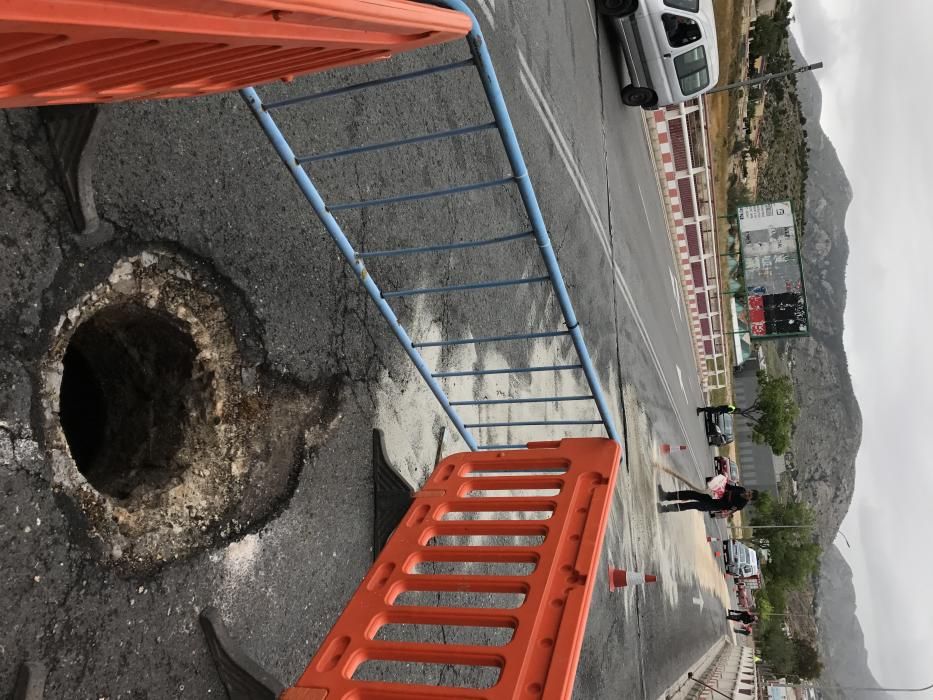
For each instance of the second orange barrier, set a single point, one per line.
(526, 526)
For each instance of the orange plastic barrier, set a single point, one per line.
(71, 51)
(554, 526)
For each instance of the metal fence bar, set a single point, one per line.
(519, 176)
(525, 423)
(473, 286)
(418, 196)
(436, 136)
(505, 370)
(489, 339)
(446, 246)
(368, 84)
(333, 228)
(487, 75)
(501, 447)
(542, 399)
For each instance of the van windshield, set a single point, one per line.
(692, 72)
(688, 5)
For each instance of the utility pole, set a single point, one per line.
(853, 688)
(769, 527)
(765, 78)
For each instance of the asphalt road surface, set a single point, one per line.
(199, 179)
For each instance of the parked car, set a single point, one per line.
(670, 48)
(726, 467)
(720, 429)
(741, 562)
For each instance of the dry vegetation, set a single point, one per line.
(723, 118)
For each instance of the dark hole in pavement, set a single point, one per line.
(132, 387)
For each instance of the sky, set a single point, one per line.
(877, 102)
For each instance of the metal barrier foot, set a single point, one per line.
(392, 495)
(30, 681)
(243, 678)
(73, 132)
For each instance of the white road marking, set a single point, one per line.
(592, 17)
(644, 208)
(675, 290)
(540, 104)
(680, 378)
(488, 7)
(698, 600)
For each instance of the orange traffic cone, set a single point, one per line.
(666, 449)
(620, 578)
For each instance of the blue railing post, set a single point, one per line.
(520, 172)
(333, 228)
(357, 260)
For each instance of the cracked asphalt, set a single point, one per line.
(199, 177)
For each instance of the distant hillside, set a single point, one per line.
(844, 656)
(830, 426)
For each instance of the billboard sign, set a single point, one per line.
(777, 304)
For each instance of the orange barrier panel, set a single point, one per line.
(548, 518)
(71, 51)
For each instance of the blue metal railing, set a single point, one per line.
(518, 179)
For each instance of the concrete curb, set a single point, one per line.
(682, 686)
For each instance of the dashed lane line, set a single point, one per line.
(541, 106)
(488, 8)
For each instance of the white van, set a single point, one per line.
(741, 561)
(670, 48)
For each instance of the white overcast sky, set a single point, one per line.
(878, 110)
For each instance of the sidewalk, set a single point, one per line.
(676, 137)
(727, 667)
(683, 687)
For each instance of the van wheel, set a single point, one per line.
(616, 8)
(639, 97)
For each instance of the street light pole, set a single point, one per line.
(708, 687)
(765, 78)
(851, 688)
(887, 690)
(769, 527)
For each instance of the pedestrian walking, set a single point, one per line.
(734, 499)
(742, 616)
(717, 410)
(744, 629)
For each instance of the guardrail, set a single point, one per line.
(516, 289)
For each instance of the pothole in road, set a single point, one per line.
(158, 430)
(133, 389)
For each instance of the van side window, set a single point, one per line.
(680, 30)
(693, 74)
(688, 5)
